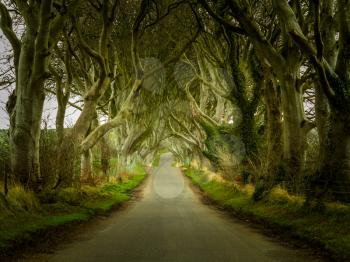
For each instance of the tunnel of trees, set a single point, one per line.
(256, 91)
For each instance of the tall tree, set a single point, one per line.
(43, 22)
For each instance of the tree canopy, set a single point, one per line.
(255, 90)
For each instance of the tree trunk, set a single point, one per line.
(294, 136)
(105, 155)
(69, 151)
(322, 122)
(62, 101)
(328, 32)
(119, 119)
(273, 135)
(334, 166)
(248, 134)
(25, 128)
(86, 167)
(31, 58)
(273, 129)
(334, 173)
(25, 138)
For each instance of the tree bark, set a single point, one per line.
(105, 155)
(86, 168)
(334, 172)
(334, 169)
(294, 136)
(32, 72)
(100, 131)
(31, 57)
(273, 128)
(69, 151)
(286, 67)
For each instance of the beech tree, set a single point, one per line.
(238, 86)
(43, 22)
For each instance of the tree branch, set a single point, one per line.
(221, 20)
(6, 27)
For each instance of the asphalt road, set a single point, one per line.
(170, 223)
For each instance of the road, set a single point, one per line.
(170, 223)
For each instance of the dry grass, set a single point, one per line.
(22, 200)
(279, 195)
(328, 228)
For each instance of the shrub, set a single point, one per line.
(279, 195)
(5, 209)
(94, 193)
(22, 200)
(69, 195)
(260, 191)
(48, 156)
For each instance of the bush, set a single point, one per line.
(22, 200)
(284, 212)
(279, 195)
(48, 157)
(93, 193)
(48, 196)
(75, 196)
(69, 195)
(5, 209)
(260, 191)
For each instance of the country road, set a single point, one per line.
(170, 223)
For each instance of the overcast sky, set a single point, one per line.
(50, 106)
(49, 114)
(4, 121)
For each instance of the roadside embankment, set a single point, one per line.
(328, 229)
(25, 217)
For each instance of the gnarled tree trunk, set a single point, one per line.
(31, 57)
(26, 117)
(272, 98)
(69, 150)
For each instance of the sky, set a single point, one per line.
(4, 94)
(49, 112)
(4, 119)
(50, 106)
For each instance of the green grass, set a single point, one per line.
(329, 229)
(23, 216)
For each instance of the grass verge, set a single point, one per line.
(24, 217)
(328, 229)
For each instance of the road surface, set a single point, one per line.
(169, 223)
